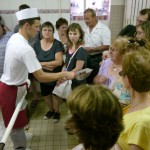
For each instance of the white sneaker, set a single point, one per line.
(29, 135)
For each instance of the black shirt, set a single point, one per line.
(81, 54)
(129, 31)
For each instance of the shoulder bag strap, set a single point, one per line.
(72, 57)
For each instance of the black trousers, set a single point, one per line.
(93, 63)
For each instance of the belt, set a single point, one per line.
(26, 84)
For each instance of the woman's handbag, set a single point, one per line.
(63, 90)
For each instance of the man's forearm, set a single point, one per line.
(49, 77)
(97, 49)
(100, 48)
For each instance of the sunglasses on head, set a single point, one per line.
(134, 41)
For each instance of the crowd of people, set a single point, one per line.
(110, 107)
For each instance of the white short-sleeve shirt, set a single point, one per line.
(100, 35)
(20, 59)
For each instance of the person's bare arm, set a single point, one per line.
(96, 79)
(50, 65)
(49, 77)
(100, 79)
(97, 49)
(79, 65)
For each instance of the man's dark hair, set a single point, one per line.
(60, 22)
(144, 12)
(23, 6)
(30, 21)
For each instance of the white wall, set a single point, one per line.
(117, 2)
(51, 10)
(132, 9)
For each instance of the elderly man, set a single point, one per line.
(20, 59)
(130, 30)
(97, 40)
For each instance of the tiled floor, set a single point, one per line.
(47, 134)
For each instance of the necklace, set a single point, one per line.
(116, 67)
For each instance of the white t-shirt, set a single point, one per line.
(79, 147)
(56, 36)
(20, 59)
(100, 35)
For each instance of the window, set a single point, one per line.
(102, 8)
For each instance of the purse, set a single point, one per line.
(64, 89)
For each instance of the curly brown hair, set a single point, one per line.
(136, 66)
(96, 116)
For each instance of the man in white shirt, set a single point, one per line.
(97, 40)
(20, 59)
